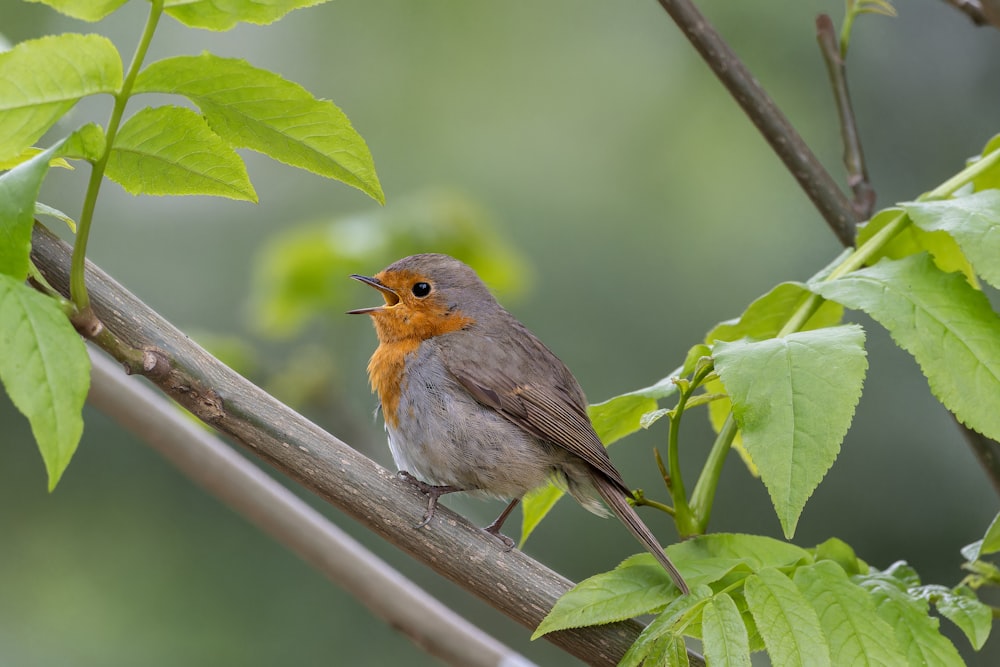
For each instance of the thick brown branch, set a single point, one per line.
(510, 581)
(210, 462)
(854, 157)
(816, 181)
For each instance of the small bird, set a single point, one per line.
(473, 401)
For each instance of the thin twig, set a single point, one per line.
(803, 164)
(854, 158)
(971, 8)
(211, 463)
(510, 581)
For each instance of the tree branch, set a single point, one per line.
(816, 181)
(208, 461)
(510, 581)
(854, 157)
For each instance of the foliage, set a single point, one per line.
(166, 150)
(780, 383)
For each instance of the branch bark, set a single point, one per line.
(510, 581)
(210, 462)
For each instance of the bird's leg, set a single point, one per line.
(494, 528)
(433, 492)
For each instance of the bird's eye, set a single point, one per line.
(420, 290)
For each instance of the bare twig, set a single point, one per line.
(510, 581)
(210, 462)
(816, 181)
(971, 8)
(854, 158)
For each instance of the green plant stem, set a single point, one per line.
(682, 513)
(78, 287)
(704, 490)
(643, 501)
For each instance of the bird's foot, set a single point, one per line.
(432, 491)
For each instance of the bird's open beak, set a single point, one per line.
(390, 296)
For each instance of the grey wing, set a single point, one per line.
(540, 396)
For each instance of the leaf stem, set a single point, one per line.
(708, 481)
(77, 285)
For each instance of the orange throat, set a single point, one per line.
(400, 334)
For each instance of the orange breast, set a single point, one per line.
(386, 370)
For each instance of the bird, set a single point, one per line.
(473, 401)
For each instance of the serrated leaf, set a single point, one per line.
(787, 622)
(74, 65)
(757, 551)
(855, 633)
(913, 240)
(85, 10)
(762, 319)
(634, 588)
(45, 369)
(961, 607)
(171, 151)
(723, 633)
(765, 317)
(219, 16)
(793, 399)
(671, 622)
(973, 221)
(268, 114)
(946, 325)
(917, 633)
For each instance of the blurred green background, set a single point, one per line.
(645, 208)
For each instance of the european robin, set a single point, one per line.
(473, 401)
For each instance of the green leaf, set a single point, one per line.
(268, 114)
(671, 623)
(787, 622)
(45, 209)
(215, 15)
(74, 65)
(912, 240)
(842, 554)
(793, 399)
(622, 415)
(854, 631)
(723, 633)
(636, 587)
(991, 541)
(917, 633)
(763, 319)
(990, 178)
(84, 10)
(45, 369)
(172, 151)
(757, 551)
(768, 314)
(973, 221)
(535, 505)
(961, 607)
(947, 325)
(19, 191)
